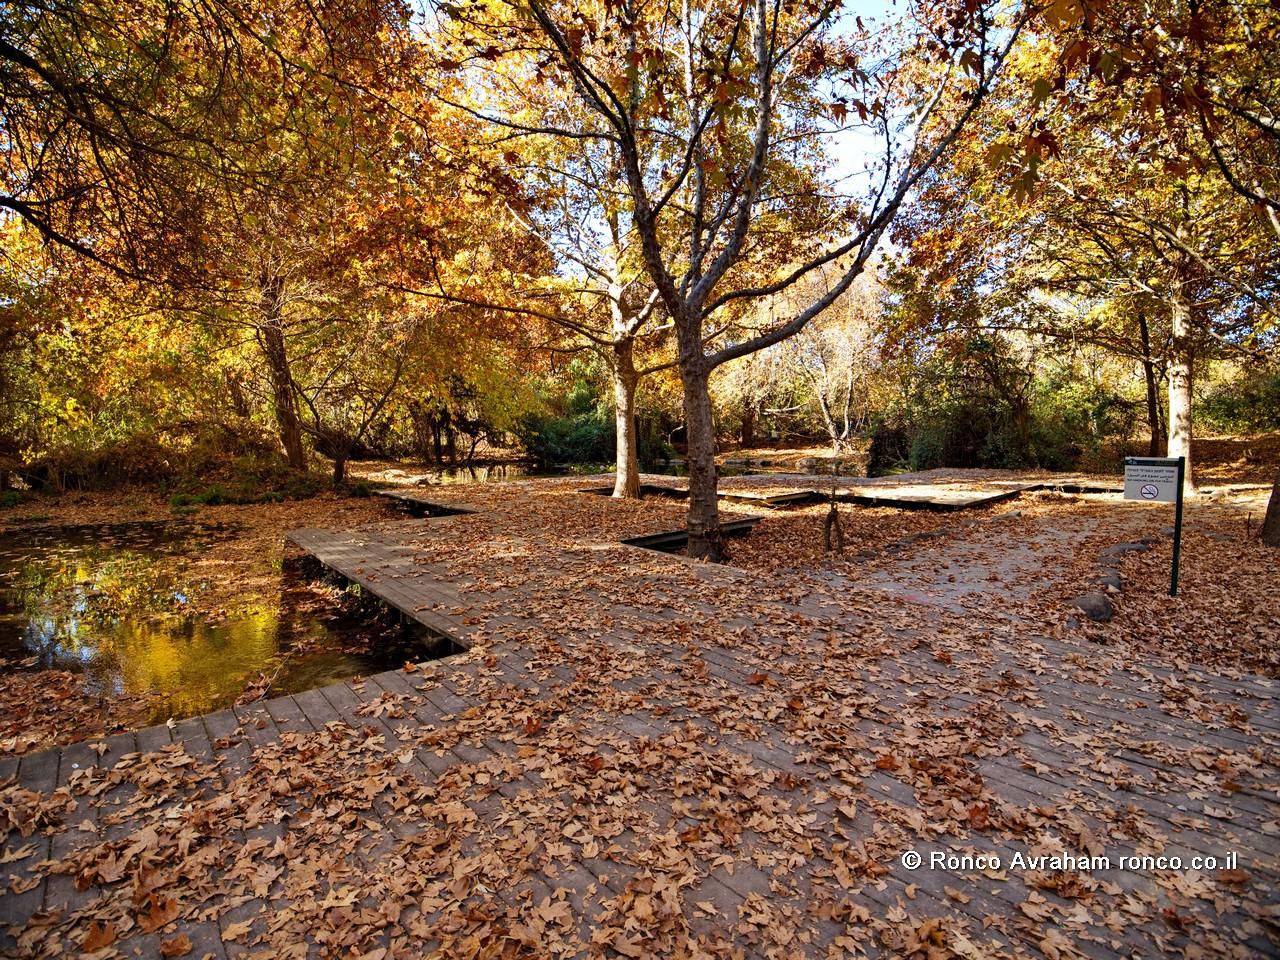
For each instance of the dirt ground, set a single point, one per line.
(644, 756)
(1024, 559)
(1020, 560)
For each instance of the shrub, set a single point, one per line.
(890, 448)
(572, 439)
(1250, 404)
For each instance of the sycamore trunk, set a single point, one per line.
(1271, 523)
(627, 479)
(271, 338)
(706, 542)
(1181, 378)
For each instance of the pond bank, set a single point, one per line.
(118, 617)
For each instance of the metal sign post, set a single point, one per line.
(1159, 480)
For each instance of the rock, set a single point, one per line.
(1109, 578)
(1120, 549)
(918, 536)
(1094, 605)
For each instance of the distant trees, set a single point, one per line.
(831, 373)
(341, 219)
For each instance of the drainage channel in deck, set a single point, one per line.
(416, 506)
(676, 540)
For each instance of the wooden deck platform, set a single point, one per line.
(646, 490)
(655, 756)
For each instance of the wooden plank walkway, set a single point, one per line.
(860, 491)
(388, 571)
(674, 540)
(684, 754)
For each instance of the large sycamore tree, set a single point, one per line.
(601, 295)
(706, 104)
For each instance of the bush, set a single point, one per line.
(278, 487)
(1248, 405)
(573, 439)
(139, 459)
(890, 449)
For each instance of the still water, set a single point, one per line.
(109, 602)
(495, 473)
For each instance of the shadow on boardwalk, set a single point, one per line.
(642, 756)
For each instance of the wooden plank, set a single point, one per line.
(38, 771)
(60, 891)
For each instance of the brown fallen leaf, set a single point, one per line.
(179, 946)
(100, 935)
(159, 912)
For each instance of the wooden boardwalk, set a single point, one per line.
(638, 755)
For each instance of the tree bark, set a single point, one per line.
(1181, 378)
(271, 338)
(748, 434)
(706, 542)
(627, 452)
(1271, 522)
(1153, 389)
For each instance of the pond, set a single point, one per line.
(498, 472)
(109, 602)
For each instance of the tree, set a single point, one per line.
(836, 357)
(704, 103)
(1109, 212)
(190, 148)
(600, 294)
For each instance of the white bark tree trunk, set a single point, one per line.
(1181, 380)
(627, 478)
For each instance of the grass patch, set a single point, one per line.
(275, 489)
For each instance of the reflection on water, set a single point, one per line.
(486, 473)
(493, 473)
(110, 602)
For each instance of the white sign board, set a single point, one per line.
(1150, 479)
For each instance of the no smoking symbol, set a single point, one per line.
(1149, 491)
